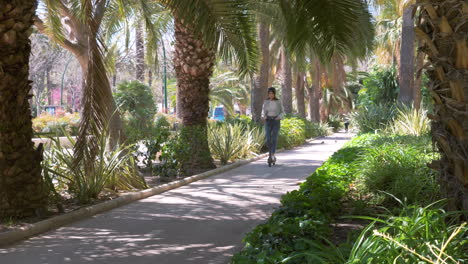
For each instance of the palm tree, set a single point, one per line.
(406, 75)
(202, 30)
(446, 46)
(261, 78)
(21, 192)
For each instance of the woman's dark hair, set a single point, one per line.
(273, 90)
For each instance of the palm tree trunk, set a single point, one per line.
(300, 94)
(314, 94)
(407, 58)
(193, 64)
(286, 82)
(448, 77)
(140, 52)
(21, 184)
(418, 82)
(261, 80)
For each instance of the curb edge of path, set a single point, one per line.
(11, 237)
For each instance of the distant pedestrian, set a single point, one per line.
(346, 123)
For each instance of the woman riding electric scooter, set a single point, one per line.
(273, 113)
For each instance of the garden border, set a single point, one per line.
(9, 238)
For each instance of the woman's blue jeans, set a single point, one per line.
(272, 128)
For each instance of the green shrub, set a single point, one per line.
(335, 122)
(56, 125)
(136, 103)
(226, 141)
(380, 87)
(410, 121)
(372, 118)
(416, 235)
(398, 168)
(297, 232)
(292, 133)
(317, 129)
(112, 169)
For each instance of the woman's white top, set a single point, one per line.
(272, 108)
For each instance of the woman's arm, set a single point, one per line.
(281, 112)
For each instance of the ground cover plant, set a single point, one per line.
(359, 179)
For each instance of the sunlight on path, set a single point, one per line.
(203, 222)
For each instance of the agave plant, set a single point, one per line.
(226, 141)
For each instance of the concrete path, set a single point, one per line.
(202, 223)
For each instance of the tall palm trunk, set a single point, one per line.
(314, 94)
(261, 80)
(193, 63)
(418, 81)
(447, 52)
(300, 94)
(407, 58)
(21, 192)
(286, 82)
(140, 53)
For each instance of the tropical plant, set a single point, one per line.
(136, 103)
(373, 118)
(448, 87)
(410, 121)
(379, 87)
(111, 169)
(226, 141)
(416, 235)
(21, 184)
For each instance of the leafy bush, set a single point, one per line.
(226, 141)
(379, 88)
(410, 121)
(56, 124)
(335, 122)
(297, 232)
(112, 169)
(153, 145)
(371, 118)
(398, 167)
(136, 103)
(292, 133)
(313, 130)
(415, 235)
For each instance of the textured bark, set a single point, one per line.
(261, 79)
(286, 82)
(418, 81)
(21, 185)
(140, 53)
(193, 64)
(300, 94)
(314, 94)
(444, 29)
(406, 75)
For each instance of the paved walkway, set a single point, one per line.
(201, 223)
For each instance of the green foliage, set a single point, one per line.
(372, 118)
(304, 214)
(226, 141)
(292, 133)
(335, 122)
(380, 87)
(136, 103)
(112, 169)
(416, 235)
(234, 139)
(55, 125)
(153, 145)
(410, 121)
(397, 165)
(297, 232)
